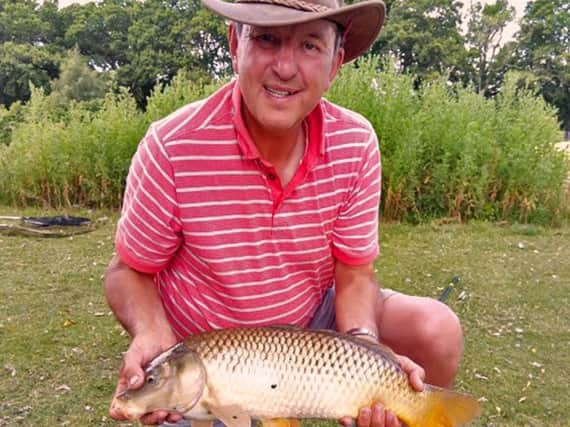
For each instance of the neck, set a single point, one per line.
(276, 147)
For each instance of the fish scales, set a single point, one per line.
(290, 373)
(270, 373)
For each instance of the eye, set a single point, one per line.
(310, 46)
(265, 39)
(151, 379)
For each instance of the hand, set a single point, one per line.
(377, 415)
(143, 348)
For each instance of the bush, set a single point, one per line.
(80, 158)
(446, 151)
(80, 154)
(450, 152)
(9, 118)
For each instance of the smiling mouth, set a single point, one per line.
(279, 93)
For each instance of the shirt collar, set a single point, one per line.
(315, 124)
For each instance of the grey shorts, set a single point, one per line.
(324, 317)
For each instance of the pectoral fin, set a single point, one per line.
(232, 416)
(281, 422)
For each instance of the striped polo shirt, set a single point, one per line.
(229, 246)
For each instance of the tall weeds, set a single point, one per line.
(449, 152)
(446, 151)
(79, 157)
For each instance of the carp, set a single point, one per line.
(270, 373)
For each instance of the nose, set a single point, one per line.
(285, 64)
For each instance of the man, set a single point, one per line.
(259, 205)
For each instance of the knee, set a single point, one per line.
(440, 332)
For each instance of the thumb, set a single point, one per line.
(416, 374)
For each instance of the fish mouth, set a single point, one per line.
(120, 409)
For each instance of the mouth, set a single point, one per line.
(119, 407)
(279, 93)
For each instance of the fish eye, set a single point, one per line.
(151, 379)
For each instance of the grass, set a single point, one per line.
(60, 348)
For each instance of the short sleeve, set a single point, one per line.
(355, 233)
(149, 231)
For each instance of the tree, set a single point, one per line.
(208, 33)
(424, 37)
(100, 31)
(77, 82)
(20, 22)
(543, 48)
(167, 36)
(22, 64)
(484, 38)
(142, 44)
(27, 54)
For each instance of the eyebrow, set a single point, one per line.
(316, 35)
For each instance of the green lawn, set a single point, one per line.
(60, 348)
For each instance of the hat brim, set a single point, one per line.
(365, 19)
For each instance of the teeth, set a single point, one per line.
(277, 92)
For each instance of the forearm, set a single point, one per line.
(356, 298)
(134, 300)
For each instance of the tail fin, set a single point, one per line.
(446, 408)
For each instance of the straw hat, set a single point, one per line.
(361, 21)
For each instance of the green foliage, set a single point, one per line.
(484, 37)
(20, 65)
(447, 150)
(77, 82)
(184, 89)
(138, 44)
(79, 155)
(166, 37)
(450, 152)
(530, 173)
(82, 160)
(100, 31)
(423, 36)
(20, 22)
(9, 118)
(543, 48)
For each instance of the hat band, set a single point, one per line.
(294, 4)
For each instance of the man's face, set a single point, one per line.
(284, 71)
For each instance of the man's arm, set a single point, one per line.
(134, 299)
(356, 297)
(357, 305)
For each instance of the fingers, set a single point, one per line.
(365, 417)
(159, 417)
(392, 420)
(376, 416)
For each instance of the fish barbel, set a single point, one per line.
(267, 373)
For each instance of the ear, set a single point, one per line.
(233, 38)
